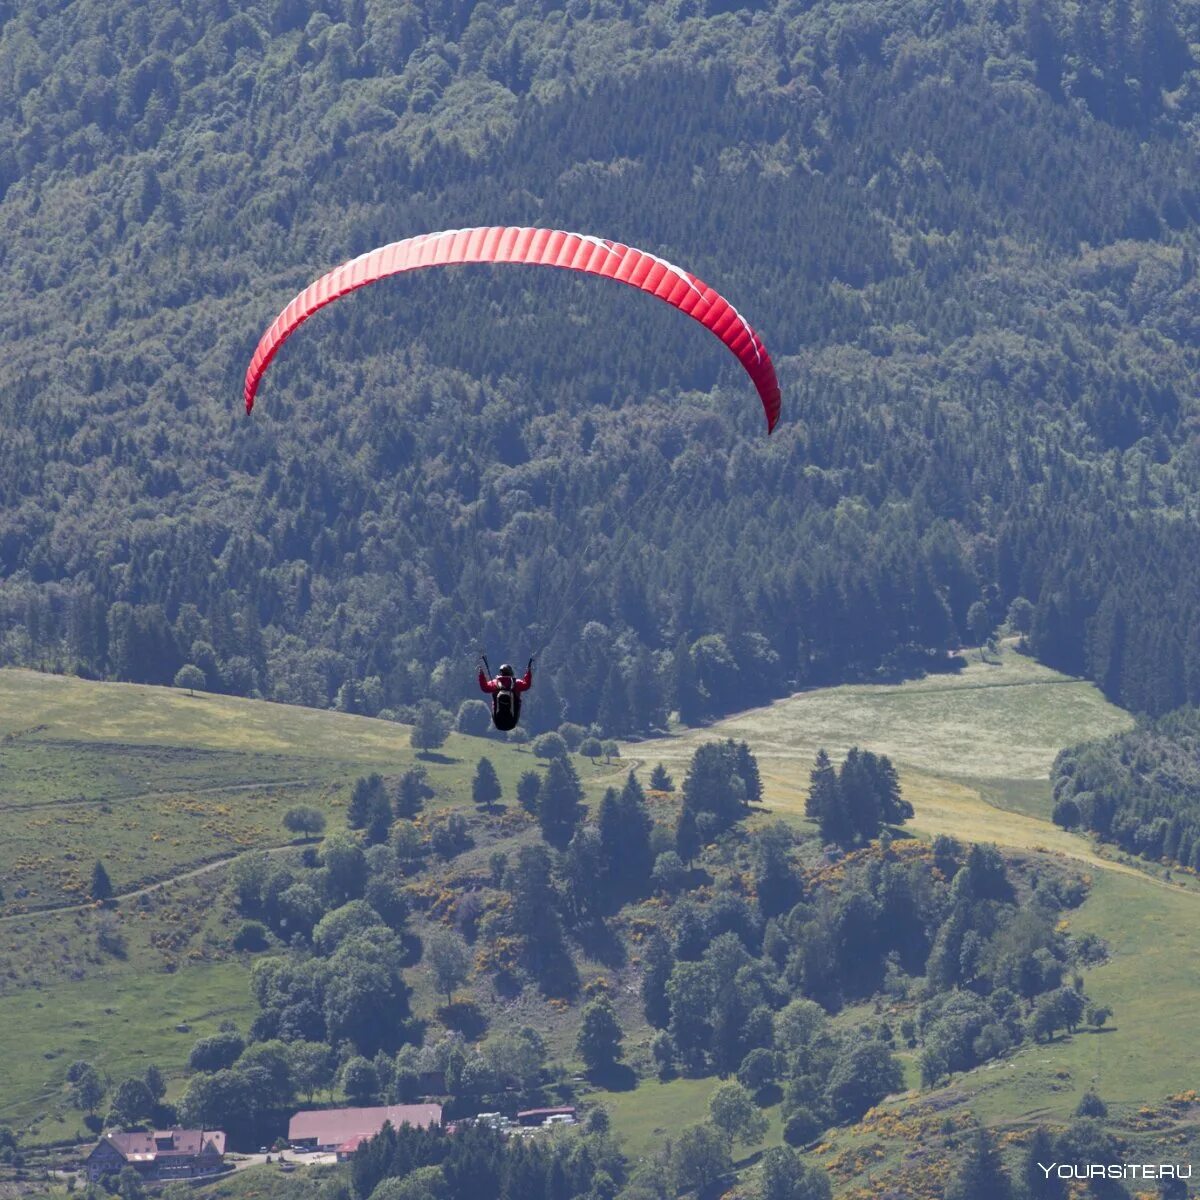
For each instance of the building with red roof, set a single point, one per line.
(159, 1154)
(333, 1128)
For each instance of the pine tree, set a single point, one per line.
(613, 716)
(560, 803)
(689, 700)
(660, 781)
(485, 788)
(359, 807)
(102, 888)
(824, 803)
(657, 964)
(529, 788)
(1035, 1183)
(611, 830)
(637, 826)
(687, 835)
(747, 769)
(981, 1175)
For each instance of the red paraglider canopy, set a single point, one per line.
(540, 247)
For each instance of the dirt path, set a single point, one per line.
(158, 885)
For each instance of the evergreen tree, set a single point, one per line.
(1035, 1182)
(529, 788)
(657, 964)
(365, 788)
(412, 790)
(824, 803)
(485, 788)
(688, 698)
(560, 803)
(981, 1174)
(688, 841)
(660, 781)
(101, 888)
(637, 826)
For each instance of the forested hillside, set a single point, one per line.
(1139, 789)
(966, 230)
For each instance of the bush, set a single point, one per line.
(572, 734)
(431, 727)
(450, 837)
(474, 718)
(660, 781)
(1066, 813)
(528, 788)
(550, 745)
(802, 1127)
(251, 936)
(669, 873)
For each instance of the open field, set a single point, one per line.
(122, 1027)
(974, 753)
(155, 784)
(235, 765)
(152, 781)
(1001, 721)
(645, 1117)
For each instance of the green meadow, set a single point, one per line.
(974, 753)
(158, 784)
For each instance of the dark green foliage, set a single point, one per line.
(131, 1103)
(101, 886)
(981, 1174)
(657, 964)
(485, 787)
(1140, 790)
(600, 1036)
(476, 1163)
(87, 1089)
(785, 1176)
(343, 548)
(1090, 1105)
(860, 1078)
(359, 1080)
(1033, 1181)
(251, 936)
(720, 780)
(660, 780)
(364, 792)
(852, 805)
(529, 787)
(431, 726)
(560, 802)
(304, 820)
(217, 1052)
(411, 791)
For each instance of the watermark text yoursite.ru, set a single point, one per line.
(1117, 1170)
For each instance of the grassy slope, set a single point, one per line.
(156, 782)
(999, 727)
(974, 754)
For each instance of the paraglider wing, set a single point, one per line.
(542, 247)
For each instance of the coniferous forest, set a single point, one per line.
(968, 232)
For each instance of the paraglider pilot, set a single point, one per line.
(505, 691)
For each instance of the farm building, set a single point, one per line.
(161, 1154)
(539, 1116)
(331, 1128)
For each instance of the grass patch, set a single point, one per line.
(121, 1028)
